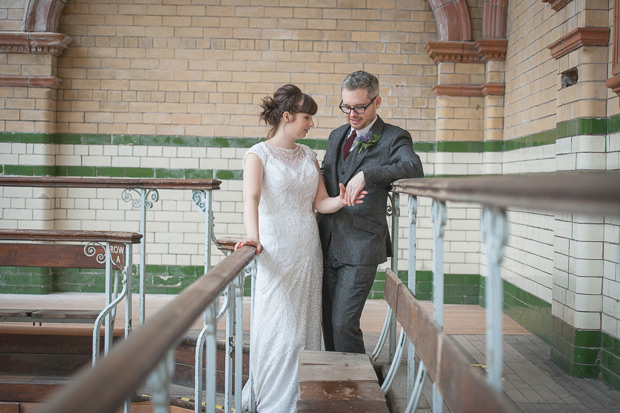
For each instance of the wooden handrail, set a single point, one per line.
(70, 235)
(104, 387)
(463, 389)
(86, 182)
(589, 193)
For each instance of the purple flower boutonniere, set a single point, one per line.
(367, 140)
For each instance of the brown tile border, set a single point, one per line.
(30, 81)
(34, 43)
(487, 89)
(582, 36)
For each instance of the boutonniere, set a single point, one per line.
(367, 140)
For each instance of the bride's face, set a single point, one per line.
(300, 125)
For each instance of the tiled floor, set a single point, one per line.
(531, 382)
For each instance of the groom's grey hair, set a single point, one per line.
(362, 80)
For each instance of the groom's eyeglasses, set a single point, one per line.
(360, 110)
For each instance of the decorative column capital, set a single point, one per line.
(447, 51)
(492, 49)
(34, 42)
(582, 36)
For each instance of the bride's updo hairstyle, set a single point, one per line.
(288, 98)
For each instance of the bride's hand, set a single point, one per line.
(252, 242)
(358, 199)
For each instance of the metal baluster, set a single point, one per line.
(230, 347)
(438, 214)
(144, 200)
(203, 202)
(395, 212)
(108, 298)
(211, 344)
(129, 296)
(253, 272)
(412, 207)
(239, 342)
(494, 228)
(90, 249)
(159, 383)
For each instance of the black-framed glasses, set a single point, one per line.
(360, 110)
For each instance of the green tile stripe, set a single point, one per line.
(120, 172)
(574, 127)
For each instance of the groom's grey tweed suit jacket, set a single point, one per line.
(358, 235)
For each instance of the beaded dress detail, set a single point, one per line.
(287, 306)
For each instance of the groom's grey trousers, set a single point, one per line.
(345, 289)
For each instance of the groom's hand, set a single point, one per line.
(354, 187)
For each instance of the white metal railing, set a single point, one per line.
(581, 193)
(148, 352)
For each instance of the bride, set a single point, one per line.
(282, 188)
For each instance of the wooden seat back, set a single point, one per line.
(462, 388)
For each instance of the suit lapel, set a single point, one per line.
(355, 158)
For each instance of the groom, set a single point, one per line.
(366, 153)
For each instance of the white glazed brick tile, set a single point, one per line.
(566, 162)
(591, 161)
(68, 160)
(464, 157)
(125, 150)
(612, 161)
(125, 161)
(18, 148)
(110, 150)
(184, 152)
(586, 250)
(588, 143)
(214, 163)
(140, 151)
(609, 325)
(586, 285)
(36, 159)
(586, 267)
(588, 232)
(229, 153)
(80, 149)
(183, 163)
(8, 159)
(6, 147)
(613, 142)
(563, 146)
(153, 162)
(586, 320)
(156, 151)
(96, 161)
(169, 152)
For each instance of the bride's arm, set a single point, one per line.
(252, 186)
(326, 204)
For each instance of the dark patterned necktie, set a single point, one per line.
(347, 145)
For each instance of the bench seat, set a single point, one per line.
(49, 316)
(338, 382)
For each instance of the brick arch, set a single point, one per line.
(494, 19)
(43, 15)
(452, 18)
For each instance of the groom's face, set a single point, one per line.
(359, 98)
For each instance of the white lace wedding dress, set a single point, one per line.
(287, 307)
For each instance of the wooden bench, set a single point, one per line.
(462, 388)
(31, 252)
(338, 382)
